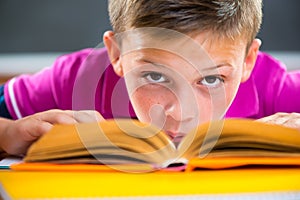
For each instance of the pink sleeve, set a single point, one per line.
(279, 89)
(270, 89)
(287, 98)
(47, 89)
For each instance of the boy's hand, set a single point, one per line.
(17, 136)
(286, 119)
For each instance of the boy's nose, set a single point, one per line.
(181, 111)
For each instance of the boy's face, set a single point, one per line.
(181, 82)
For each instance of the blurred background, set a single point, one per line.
(34, 32)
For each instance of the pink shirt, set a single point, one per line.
(86, 80)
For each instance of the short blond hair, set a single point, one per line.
(226, 18)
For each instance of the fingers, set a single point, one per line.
(31, 128)
(69, 116)
(40, 123)
(38, 129)
(291, 120)
(87, 116)
(278, 118)
(56, 117)
(36, 125)
(21, 133)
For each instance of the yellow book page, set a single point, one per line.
(112, 137)
(235, 138)
(232, 134)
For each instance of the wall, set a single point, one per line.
(34, 32)
(51, 25)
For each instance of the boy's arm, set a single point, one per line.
(3, 109)
(286, 99)
(278, 88)
(51, 88)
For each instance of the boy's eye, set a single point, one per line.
(211, 81)
(155, 77)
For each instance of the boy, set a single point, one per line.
(181, 63)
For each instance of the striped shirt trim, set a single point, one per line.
(13, 98)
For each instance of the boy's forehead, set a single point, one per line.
(164, 40)
(157, 38)
(192, 48)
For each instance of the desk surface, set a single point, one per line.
(19, 63)
(279, 182)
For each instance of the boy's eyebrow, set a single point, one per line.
(218, 66)
(150, 62)
(204, 69)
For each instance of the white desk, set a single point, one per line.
(12, 64)
(291, 59)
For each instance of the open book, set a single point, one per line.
(219, 144)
